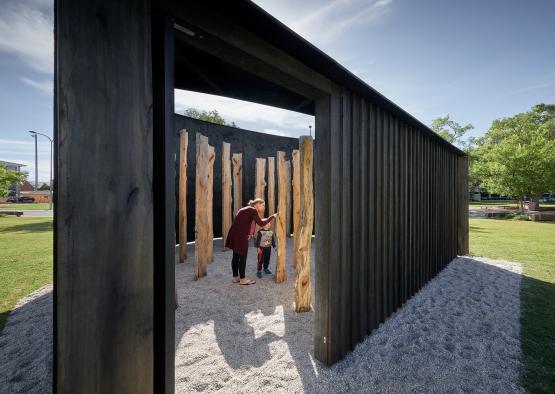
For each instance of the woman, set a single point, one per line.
(239, 234)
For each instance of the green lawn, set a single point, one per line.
(24, 207)
(532, 244)
(25, 259)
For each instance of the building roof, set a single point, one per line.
(12, 163)
(259, 22)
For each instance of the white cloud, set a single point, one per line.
(27, 31)
(246, 114)
(329, 21)
(44, 86)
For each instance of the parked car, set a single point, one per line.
(22, 199)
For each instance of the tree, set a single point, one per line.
(516, 157)
(451, 131)
(212, 116)
(9, 178)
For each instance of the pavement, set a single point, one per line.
(36, 214)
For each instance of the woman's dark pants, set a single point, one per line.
(238, 264)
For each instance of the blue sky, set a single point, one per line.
(475, 60)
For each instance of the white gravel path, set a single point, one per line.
(458, 334)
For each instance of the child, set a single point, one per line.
(264, 242)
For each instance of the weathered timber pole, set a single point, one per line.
(303, 290)
(227, 216)
(288, 200)
(183, 144)
(201, 206)
(271, 203)
(260, 183)
(210, 198)
(237, 160)
(280, 220)
(296, 190)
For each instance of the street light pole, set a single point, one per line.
(36, 161)
(35, 133)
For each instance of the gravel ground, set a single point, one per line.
(460, 333)
(26, 345)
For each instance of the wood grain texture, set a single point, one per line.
(227, 211)
(280, 220)
(202, 251)
(288, 201)
(104, 254)
(295, 187)
(210, 202)
(183, 144)
(271, 203)
(237, 160)
(303, 288)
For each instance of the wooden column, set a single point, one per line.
(227, 216)
(201, 207)
(296, 187)
(210, 198)
(237, 160)
(303, 290)
(280, 220)
(183, 143)
(271, 203)
(288, 200)
(260, 183)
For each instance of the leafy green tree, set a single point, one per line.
(212, 116)
(8, 178)
(516, 157)
(451, 131)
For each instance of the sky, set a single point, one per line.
(474, 60)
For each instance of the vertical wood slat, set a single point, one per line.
(303, 288)
(323, 303)
(271, 203)
(346, 235)
(237, 160)
(227, 211)
(288, 201)
(201, 209)
(295, 186)
(210, 202)
(280, 220)
(389, 180)
(183, 144)
(364, 223)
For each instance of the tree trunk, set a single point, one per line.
(210, 198)
(183, 144)
(227, 215)
(201, 206)
(280, 220)
(237, 182)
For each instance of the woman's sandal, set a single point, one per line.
(250, 282)
(235, 280)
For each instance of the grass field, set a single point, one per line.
(26, 265)
(25, 259)
(24, 207)
(532, 244)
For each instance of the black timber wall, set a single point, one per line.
(251, 144)
(391, 213)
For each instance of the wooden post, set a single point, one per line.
(296, 190)
(280, 220)
(201, 206)
(288, 200)
(210, 198)
(303, 291)
(237, 160)
(183, 144)
(296, 201)
(271, 203)
(226, 191)
(260, 183)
